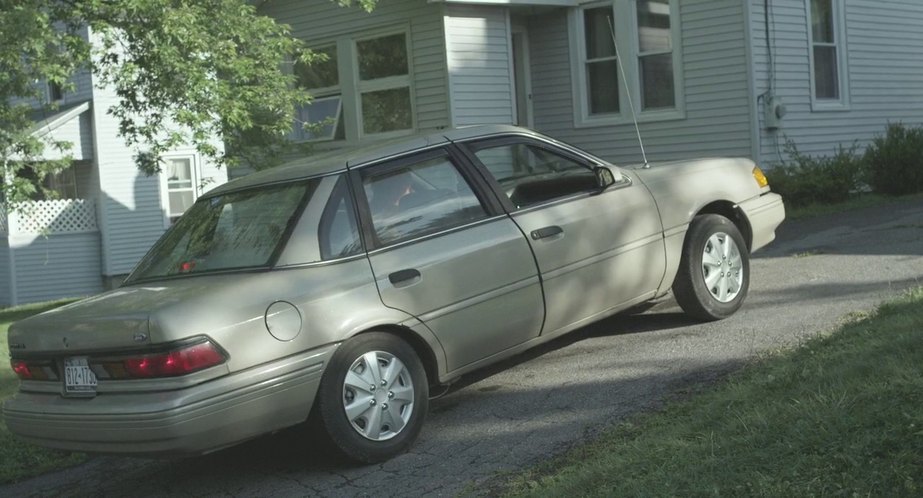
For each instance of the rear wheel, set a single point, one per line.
(714, 271)
(373, 397)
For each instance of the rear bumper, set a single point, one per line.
(765, 214)
(195, 420)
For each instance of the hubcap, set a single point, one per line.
(378, 395)
(722, 267)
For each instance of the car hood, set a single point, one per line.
(126, 318)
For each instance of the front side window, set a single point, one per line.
(826, 49)
(180, 186)
(643, 34)
(411, 200)
(237, 230)
(529, 174)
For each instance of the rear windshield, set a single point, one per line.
(237, 230)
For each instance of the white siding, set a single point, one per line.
(322, 20)
(885, 72)
(57, 266)
(715, 76)
(478, 53)
(130, 213)
(6, 296)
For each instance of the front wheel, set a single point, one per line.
(373, 397)
(714, 270)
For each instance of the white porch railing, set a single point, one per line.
(50, 217)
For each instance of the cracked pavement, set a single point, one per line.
(509, 416)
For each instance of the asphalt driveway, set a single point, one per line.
(818, 273)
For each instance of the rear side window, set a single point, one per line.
(338, 234)
(408, 200)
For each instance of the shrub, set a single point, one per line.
(824, 179)
(895, 161)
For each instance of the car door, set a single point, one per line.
(443, 250)
(596, 251)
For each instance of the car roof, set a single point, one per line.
(339, 160)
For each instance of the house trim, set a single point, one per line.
(755, 148)
(46, 126)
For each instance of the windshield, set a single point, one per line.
(236, 230)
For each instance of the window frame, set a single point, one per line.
(165, 190)
(626, 34)
(840, 44)
(351, 87)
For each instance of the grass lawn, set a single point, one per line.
(840, 416)
(22, 460)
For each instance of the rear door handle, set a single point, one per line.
(546, 232)
(404, 277)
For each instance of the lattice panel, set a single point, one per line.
(54, 216)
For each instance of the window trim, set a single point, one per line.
(840, 43)
(626, 32)
(195, 173)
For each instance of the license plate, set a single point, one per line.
(78, 378)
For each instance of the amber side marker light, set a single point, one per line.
(760, 177)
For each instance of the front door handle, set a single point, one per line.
(404, 277)
(546, 232)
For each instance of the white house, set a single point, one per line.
(108, 214)
(702, 75)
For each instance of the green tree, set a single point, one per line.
(184, 71)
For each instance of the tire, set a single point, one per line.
(373, 414)
(712, 287)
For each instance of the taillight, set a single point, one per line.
(182, 361)
(33, 369)
(22, 369)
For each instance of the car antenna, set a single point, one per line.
(631, 102)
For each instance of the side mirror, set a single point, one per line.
(604, 177)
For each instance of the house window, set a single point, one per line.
(59, 185)
(655, 55)
(179, 186)
(602, 72)
(363, 88)
(54, 91)
(384, 84)
(646, 33)
(322, 119)
(827, 51)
